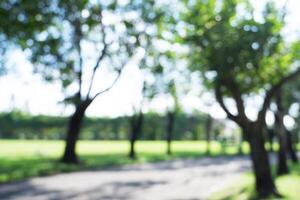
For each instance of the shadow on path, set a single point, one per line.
(177, 179)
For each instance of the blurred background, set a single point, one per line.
(187, 86)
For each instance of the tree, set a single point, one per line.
(270, 134)
(285, 98)
(158, 63)
(146, 32)
(168, 87)
(136, 123)
(77, 40)
(289, 96)
(171, 115)
(167, 78)
(238, 57)
(282, 136)
(208, 129)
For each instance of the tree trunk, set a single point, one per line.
(116, 130)
(264, 182)
(271, 134)
(282, 139)
(207, 133)
(282, 167)
(170, 127)
(73, 131)
(132, 145)
(136, 122)
(292, 151)
(240, 150)
(297, 140)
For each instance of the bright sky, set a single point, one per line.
(22, 90)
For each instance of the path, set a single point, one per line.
(180, 179)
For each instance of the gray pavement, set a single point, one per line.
(172, 180)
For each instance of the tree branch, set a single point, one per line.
(77, 40)
(108, 88)
(100, 58)
(237, 96)
(273, 90)
(219, 97)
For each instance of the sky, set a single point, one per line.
(20, 89)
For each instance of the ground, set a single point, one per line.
(105, 172)
(178, 179)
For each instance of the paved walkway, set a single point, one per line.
(177, 180)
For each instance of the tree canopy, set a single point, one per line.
(234, 51)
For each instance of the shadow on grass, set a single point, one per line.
(14, 169)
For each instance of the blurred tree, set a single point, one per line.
(239, 56)
(169, 77)
(290, 96)
(146, 31)
(208, 129)
(171, 114)
(284, 99)
(153, 13)
(282, 136)
(76, 39)
(166, 83)
(271, 136)
(136, 123)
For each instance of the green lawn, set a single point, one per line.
(20, 159)
(243, 188)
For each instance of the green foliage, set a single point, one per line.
(22, 125)
(234, 48)
(290, 93)
(19, 20)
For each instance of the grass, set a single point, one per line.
(21, 159)
(287, 185)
